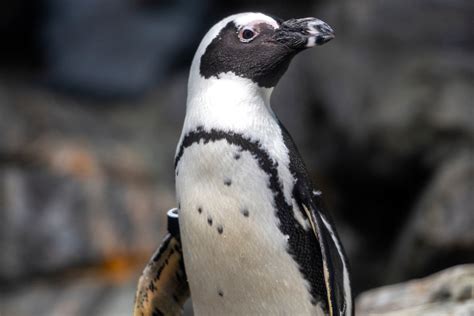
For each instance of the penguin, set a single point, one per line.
(255, 237)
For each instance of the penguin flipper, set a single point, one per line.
(335, 266)
(163, 288)
(336, 275)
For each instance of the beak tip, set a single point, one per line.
(322, 39)
(321, 33)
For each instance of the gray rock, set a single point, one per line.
(394, 91)
(80, 185)
(449, 292)
(94, 296)
(400, 87)
(441, 226)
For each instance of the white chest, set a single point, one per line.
(235, 255)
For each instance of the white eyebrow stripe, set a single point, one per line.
(247, 18)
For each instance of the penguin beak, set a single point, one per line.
(303, 33)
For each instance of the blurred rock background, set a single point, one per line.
(92, 98)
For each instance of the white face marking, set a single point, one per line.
(253, 18)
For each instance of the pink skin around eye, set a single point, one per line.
(253, 26)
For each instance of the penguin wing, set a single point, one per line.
(335, 266)
(163, 288)
(336, 275)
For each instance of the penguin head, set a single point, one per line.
(256, 46)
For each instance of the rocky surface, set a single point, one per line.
(62, 298)
(391, 112)
(79, 183)
(89, 294)
(440, 230)
(449, 292)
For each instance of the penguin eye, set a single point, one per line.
(247, 34)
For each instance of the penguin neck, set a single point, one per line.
(229, 103)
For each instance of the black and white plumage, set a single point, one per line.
(255, 238)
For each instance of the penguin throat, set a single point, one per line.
(227, 89)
